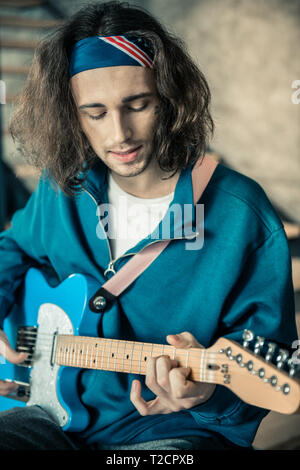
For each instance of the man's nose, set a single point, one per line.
(121, 129)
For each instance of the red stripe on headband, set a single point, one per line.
(136, 48)
(128, 50)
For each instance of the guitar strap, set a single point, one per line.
(111, 289)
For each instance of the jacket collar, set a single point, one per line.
(180, 218)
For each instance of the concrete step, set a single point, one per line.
(16, 57)
(14, 70)
(17, 44)
(18, 34)
(30, 23)
(21, 3)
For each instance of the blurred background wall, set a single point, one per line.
(249, 51)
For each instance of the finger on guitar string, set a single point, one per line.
(8, 352)
(157, 374)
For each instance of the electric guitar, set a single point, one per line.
(59, 332)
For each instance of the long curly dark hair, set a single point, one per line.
(45, 124)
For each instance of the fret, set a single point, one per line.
(116, 354)
(72, 351)
(109, 353)
(123, 356)
(97, 355)
(140, 360)
(82, 354)
(78, 353)
(201, 367)
(131, 357)
(187, 358)
(86, 354)
(102, 357)
(93, 355)
(65, 354)
(70, 358)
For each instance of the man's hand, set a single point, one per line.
(170, 383)
(12, 356)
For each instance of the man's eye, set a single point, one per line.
(139, 109)
(100, 116)
(97, 117)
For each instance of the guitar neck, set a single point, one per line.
(131, 357)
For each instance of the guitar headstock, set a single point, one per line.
(259, 372)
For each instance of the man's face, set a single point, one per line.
(117, 109)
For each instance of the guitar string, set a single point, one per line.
(64, 357)
(196, 356)
(44, 346)
(193, 359)
(49, 348)
(204, 373)
(104, 341)
(84, 339)
(199, 375)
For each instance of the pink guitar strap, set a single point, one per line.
(201, 175)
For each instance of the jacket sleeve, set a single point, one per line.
(21, 248)
(262, 301)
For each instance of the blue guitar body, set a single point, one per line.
(45, 312)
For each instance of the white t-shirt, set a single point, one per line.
(132, 218)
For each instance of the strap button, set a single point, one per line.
(99, 302)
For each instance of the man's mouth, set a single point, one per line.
(126, 156)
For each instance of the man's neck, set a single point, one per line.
(148, 185)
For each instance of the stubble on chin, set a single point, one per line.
(130, 169)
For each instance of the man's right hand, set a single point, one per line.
(12, 356)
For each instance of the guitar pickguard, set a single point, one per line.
(52, 320)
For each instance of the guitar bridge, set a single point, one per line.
(26, 341)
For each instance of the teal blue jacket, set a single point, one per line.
(240, 278)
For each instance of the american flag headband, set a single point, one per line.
(109, 51)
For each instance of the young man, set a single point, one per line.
(110, 112)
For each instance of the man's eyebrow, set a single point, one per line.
(127, 99)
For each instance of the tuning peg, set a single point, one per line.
(270, 351)
(259, 344)
(248, 336)
(282, 357)
(292, 366)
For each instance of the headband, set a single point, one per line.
(109, 51)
